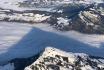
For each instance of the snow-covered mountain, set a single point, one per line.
(54, 59)
(85, 18)
(27, 27)
(40, 4)
(55, 3)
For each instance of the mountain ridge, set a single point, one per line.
(55, 59)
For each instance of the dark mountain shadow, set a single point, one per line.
(36, 40)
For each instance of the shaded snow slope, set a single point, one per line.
(19, 40)
(7, 67)
(94, 40)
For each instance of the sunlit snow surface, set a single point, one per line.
(8, 4)
(23, 40)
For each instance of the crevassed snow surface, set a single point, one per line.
(23, 40)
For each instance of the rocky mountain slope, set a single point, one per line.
(84, 16)
(54, 59)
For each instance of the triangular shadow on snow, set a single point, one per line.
(36, 40)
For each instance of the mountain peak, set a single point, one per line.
(55, 59)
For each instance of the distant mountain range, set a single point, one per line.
(85, 18)
(54, 3)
